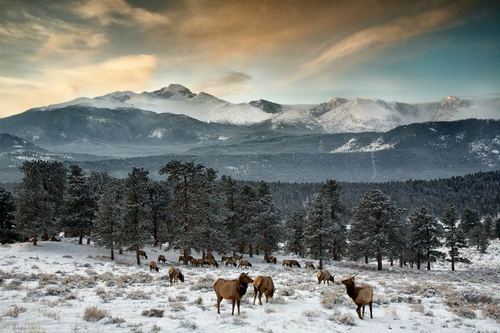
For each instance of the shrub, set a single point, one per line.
(492, 311)
(93, 313)
(138, 294)
(343, 318)
(153, 313)
(15, 311)
(464, 311)
(188, 324)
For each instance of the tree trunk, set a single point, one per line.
(80, 236)
(121, 250)
(35, 240)
(392, 262)
(137, 256)
(88, 238)
(320, 267)
(379, 261)
(112, 254)
(428, 260)
(452, 260)
(366, 259)
(250, 250)
(257, 250)
(203, 254)
(334, 253)
(187, 252)
(266, 254)
(401, 260)
(418, 260)
(241, 248)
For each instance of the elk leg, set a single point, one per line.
(371, 315)
(232, 313)
(260, 297)
(358, 310)
(239, 307)
(363, 310)
(219, 299)
(255, 294)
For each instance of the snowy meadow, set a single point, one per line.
(66, 287)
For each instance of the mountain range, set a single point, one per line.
(349, 139)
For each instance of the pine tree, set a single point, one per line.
(295, 225)
(7, 214)
(469, 221)
(425, 234)
(330, 192)
(489, 231)
(136, 225)
(185, 180)
(247, 210)
(78, 210)
(318, 231)
(454, 238)
(230, 190)
(158, 200)
(35, 212)
(109, 220)
(267, 221)
(375, 224)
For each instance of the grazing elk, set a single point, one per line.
(232, 290)
(271, 260)
(142, 254)
(197, 262)
(291, 263)
(161, 258)
(175, 274)
(231, 261)
(309, 265)
(244, 263)
(325, 277)
(263, 285)
(153, 266)
(210, 262)
(360, 295)
(225, 259)
(189, 259)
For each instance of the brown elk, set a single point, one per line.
(189, 258)
(153, 266)
(224, 258)
(263, 285)
(142, 254)
(175, 274)
(231, 261)
(244, 263)
(161, 258)
(360, 295)
(271, 260)
(232, 290)
(291, 263)
(310, 264)
(197, 262)
(325, 277)
(210, 262)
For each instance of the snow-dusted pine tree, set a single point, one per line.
(158, 200)
(454, 238)
(79, 206)
(230, 190)
(247, 210)
(330, 192)
(376, 223)
(109, 219)
(295, 225)
(136, 224)
(7, 216)
(425, 236)
(267, 221)
(318, 230)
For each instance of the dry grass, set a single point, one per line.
(153, 313)
(93, 313)
(343, 318)
(15, 311)
(492, 311)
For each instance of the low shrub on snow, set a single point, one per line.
(311, 313)
(343, 318)
(153, 313)
(138, 294)
(205, 282)
(492, 311)
(188, 324)
(465, 311)
(286, 291)
(15, 311)
(93, 313)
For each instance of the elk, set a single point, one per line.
(291, 263)
(360, 295)
(271, 260)
(210, 262)
(310, 264)
(161, 258)
(263, 285)
(231, 261)
(197, 262)
(237, 257)
(142, 254)
(325, 277)
(244, 263)
(232, 290)
(189, 258)
(153, 266)
(224, 258)
(175, 274)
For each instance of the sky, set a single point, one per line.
(282, 50)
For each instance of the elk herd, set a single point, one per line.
(234, 289)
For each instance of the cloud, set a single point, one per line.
(120, 12)
(227, 84)
(58, 85)
(381, 35)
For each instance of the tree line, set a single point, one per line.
(193, 208)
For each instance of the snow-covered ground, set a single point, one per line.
(48, 288)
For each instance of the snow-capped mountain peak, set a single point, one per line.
(174, 91)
